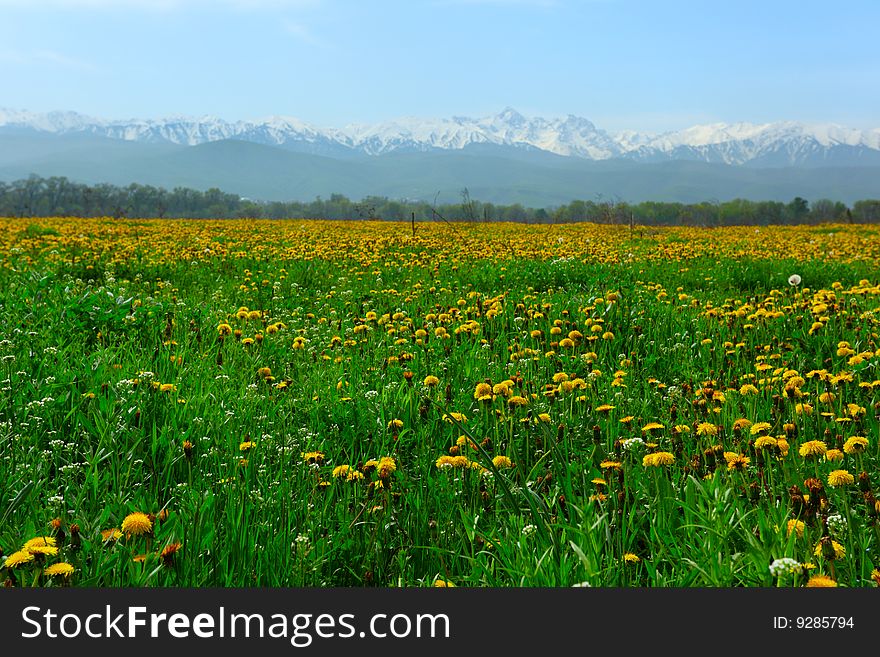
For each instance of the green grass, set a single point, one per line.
(80, 442)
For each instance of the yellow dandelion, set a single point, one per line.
(452, 462)
(312, 457)
(813, 448)
(821, 581)
(385, 467)
(765, 442)
(833, 455)
(39, 541)
(840, 478)
(759, 428)
(796, 526)
(830, 549)
(108, 535)
(855, 445)
(483, 392)
(19, 558)
(341, 471)
(136, 524)
(707, 429)
(61, 569)
(658, 459)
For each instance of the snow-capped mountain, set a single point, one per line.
(769, 144)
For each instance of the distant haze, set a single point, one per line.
(503, 158)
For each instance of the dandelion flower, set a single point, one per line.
(62, 569)
(833, 455)
(169, 551)
(765, 442)
(760, 428)
(110, 535)
(794, 280)
(830, 549)
(18, 559)
(483, 392)
(39, 541)
(452, 462)
(737, 462)
(652, 426)
(136, 524)
(795, 526)
(813, 448)
(385, 467)
(658, 459)
(707, 429)
(821, 581)
(855, 445)
(341, 471)
(501, 462)
(840, 478)
(312, 457)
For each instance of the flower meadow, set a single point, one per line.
(296, 403)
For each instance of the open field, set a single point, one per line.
(242, 403)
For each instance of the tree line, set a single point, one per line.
(58, 196)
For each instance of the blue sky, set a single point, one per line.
(624, 64)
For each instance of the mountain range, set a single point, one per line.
(505, 157)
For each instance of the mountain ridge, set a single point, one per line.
(779, 144)
(490, 172)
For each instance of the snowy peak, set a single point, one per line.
(771, 144)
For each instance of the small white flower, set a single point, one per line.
(528, 530)
(836, 524)
(632, 443)
(784, 566)
(794, 280)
